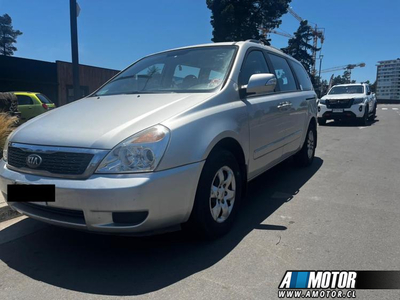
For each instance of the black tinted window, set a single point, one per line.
(302, 76)
(283, 73)
(43, 99)
(24, 100)
(254, 64)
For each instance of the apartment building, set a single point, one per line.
(388, 80)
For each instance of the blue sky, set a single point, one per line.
(115, 33)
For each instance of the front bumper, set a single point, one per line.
(164, 198)
(355, 111)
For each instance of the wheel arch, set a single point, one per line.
(232, 145)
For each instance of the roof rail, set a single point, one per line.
(255, 41)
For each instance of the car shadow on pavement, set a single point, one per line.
(116, 265)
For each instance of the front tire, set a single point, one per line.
(364, 119)
(321, 121)
(305, 156)
(373, 116)
(217, 197)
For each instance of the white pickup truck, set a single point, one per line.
(348, 101)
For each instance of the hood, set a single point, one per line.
(103, 122)
(342, 96)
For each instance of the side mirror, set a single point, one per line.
(369, 93)
(261, 84)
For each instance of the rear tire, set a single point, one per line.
(217, 197)
(305, 156)
(321, 121)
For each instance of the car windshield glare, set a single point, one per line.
(351, 89)
(201, 69)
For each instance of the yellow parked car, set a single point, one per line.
(31, 104)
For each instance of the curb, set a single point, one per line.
(6, 213)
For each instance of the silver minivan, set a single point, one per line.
(171, 140)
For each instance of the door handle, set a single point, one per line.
(284, 104)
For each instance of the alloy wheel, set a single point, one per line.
(222, 194)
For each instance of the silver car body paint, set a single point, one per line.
(197, 122)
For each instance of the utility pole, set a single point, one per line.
(319, 74)
(74, 48)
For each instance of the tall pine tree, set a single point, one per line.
(8, 36)
(239, 20)
(300, 46)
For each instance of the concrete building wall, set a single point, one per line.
(388, 80)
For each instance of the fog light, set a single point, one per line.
(129, 218)
(360, 108)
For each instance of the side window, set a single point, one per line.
(24, 100)
(254, 64)
(283, 73)
(302, 76)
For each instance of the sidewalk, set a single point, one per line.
(6, 213)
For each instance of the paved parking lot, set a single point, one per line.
(342, 213)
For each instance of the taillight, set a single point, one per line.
(45, 106)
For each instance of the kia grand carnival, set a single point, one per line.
(171, 140)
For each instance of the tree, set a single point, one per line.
(300, 48)
(373, 87)
(8, 36)
(344, 79)
(239, 20)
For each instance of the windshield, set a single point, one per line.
(181, 71)
(350, 89)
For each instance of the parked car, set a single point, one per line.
(173, 139)
(31, 104)
(348, 101)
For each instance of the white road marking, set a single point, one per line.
(384, 108)
(395, 108)
(361, 127)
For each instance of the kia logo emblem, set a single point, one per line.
(33, 161)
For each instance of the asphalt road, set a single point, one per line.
(341, 213)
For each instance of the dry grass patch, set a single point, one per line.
(7, 125)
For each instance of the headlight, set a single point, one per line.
(5, 149)
(358, 100)
(141, 152)
(322, 101)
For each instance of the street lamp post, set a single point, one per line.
(74, 48)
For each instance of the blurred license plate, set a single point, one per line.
(337, 110)
(31, 193)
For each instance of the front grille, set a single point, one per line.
(342, 103)
(53, 213)
(66, 163)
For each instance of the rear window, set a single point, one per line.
(302, 76)
(43, 99)
(24, 100)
